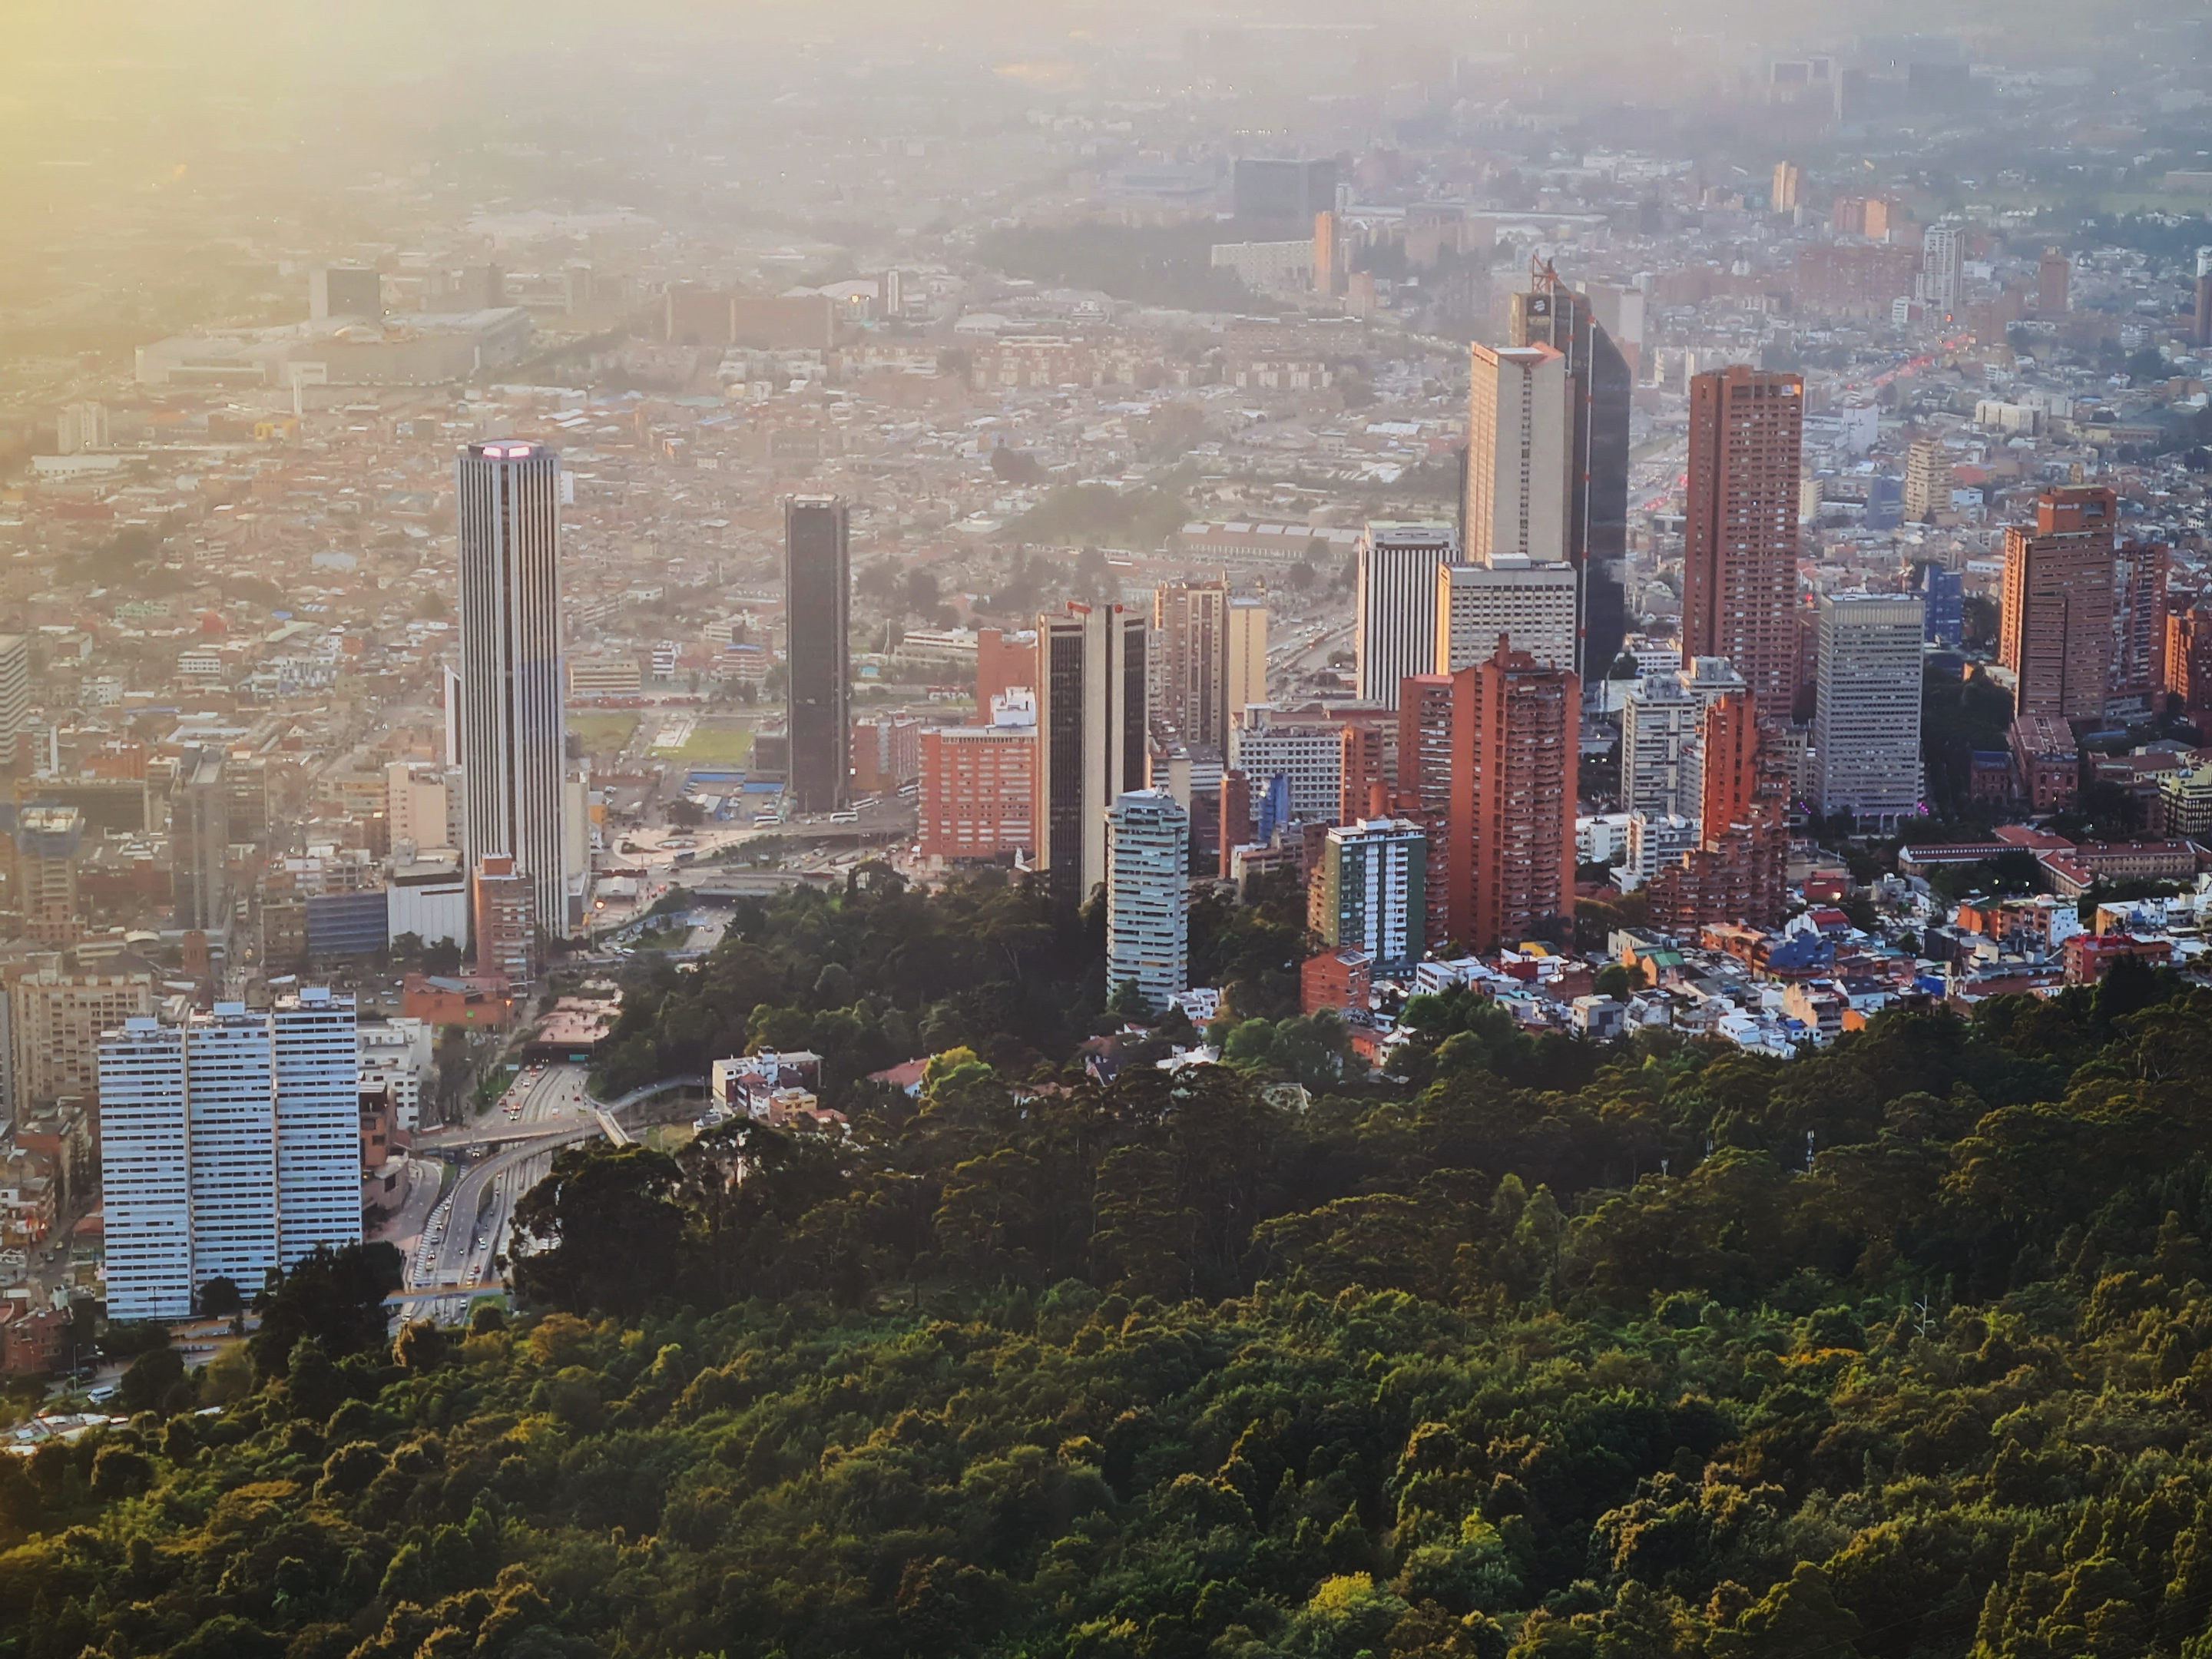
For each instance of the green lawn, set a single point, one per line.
(725, 741)
(600, 731)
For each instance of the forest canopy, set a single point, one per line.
(1902, 1348)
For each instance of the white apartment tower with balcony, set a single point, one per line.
(230, 1145)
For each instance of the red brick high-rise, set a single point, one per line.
(1360, 774)
(1739, 548)
(2055, 620)
(1511, 828)
(1424, 794)
(1736, 872)
(2140, 570)
(2188, 657)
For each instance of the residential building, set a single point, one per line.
(1531, 606)
(1369, 893)
(47, 840)
(15, 702)
(2189, 658)
(1735, 874)
(1308, 753)
(1395, 627)
(1660, 727)
(979, 783)
(428, 898)
(1927, 481)
(1190, 647)
(1740, 537)
(1147, 895)
(1092, 726)
(1362, 771)
(1519, 450)
(1003, 661)
(423, 806)
(1942, 264)
(199, 841)
(1599, 385)
(1247, 674)
(886, 752)
(1944, 594)
(2139, 579)
(54, 1024)
(511, 726)
(1866, 732)
(1338, 980)
(2054, 274)
(818, 592)
(2055, 627)
(1425, 734)
(2046, 761)
(1511, 827)
(504, 920)
(230, 1147)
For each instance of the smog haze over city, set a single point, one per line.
(1068, 830)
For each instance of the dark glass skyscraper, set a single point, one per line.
(1552, 313)
(817, 590)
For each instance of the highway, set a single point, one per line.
(467, 1232)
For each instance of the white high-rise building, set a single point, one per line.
(1372, 893)
(1663, 735)
(510, 723)
(1943, 266)
(230, 1144)
(1396, 629)
(1519, 460)
(1866, 729)
(1659, 747)
(1147, 895)
(1531, 605)
(15, 701)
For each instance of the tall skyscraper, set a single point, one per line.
(199, 841)
(2055, 618)
(510, 719)
(15, 703)
(1190, 643)
(1147, 895)
(1370, 892)
(818, 592)
(1740, 546)
(1520, 448)
(230, 1144)
(1511, 855)
(1396, 626)
(1248, 657)
(1781, 196)
(2054, 275)
(1943, 266)
(1866, 726)
(1090, 735)
(1600, 384)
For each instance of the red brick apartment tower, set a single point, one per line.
(1512, 864)
(2055, 622)
(1740, 549)
(1425, 773)
(1735, 873)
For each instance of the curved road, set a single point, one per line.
(468, 1230)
